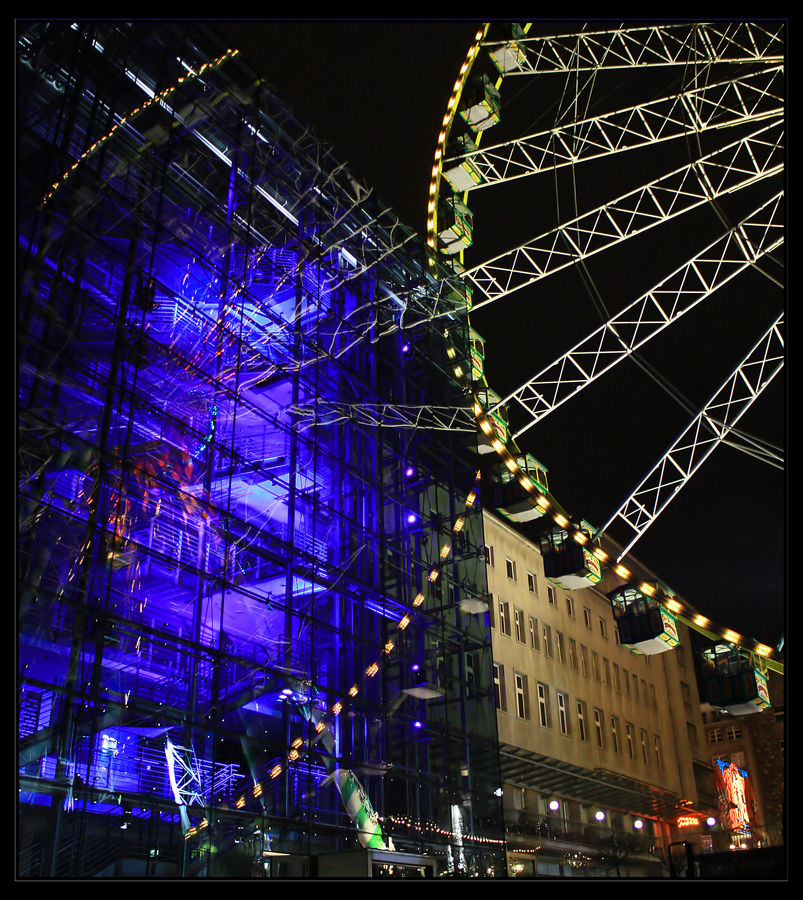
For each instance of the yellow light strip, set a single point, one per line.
(157, 98)
(443, 137)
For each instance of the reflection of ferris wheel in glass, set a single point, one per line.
(661, 141)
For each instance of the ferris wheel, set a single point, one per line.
(656, 151)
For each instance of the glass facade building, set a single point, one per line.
(250, 568)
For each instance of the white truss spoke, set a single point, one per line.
(427, 417)
(729, 169)
(712, 425)
(738, 101)
(659, 45)
(612, 342)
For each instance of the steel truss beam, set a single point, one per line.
(744, 162)
(738, 249)
(702, 435)
(686, 44)
(387, 415)
(737, 101)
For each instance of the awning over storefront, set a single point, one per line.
(601, 786)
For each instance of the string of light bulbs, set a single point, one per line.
(156, 98)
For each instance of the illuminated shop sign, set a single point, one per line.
(734, 795)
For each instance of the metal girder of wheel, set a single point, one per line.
(736, 101)
(387, 415)
(685, 44)
(702, 435)
(744, 162)
(738, 249)
(184, 774)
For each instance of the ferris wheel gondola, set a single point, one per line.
(735, 680)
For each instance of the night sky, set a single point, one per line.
(376, 92)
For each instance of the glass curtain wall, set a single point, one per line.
(250, 579)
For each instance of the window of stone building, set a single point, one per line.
(543, 704)
(685, 693)
(522, 704)
(563, 712)
(581, 720)
(598, 728)
(584, 659)
(499, 686)
(504, 617)
(533, 628)
(615, 734)
(518, 621)
(546, 632)
(573, 653)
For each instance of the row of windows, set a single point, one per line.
(552, 594)
(603, 730)
(539, 635)
(730, 733)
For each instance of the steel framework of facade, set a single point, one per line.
(249, 570)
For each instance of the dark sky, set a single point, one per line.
(377, 91)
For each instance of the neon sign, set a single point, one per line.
(687, 821)
(734, 799)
